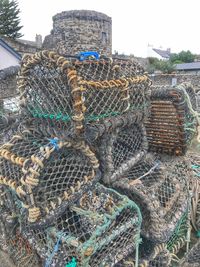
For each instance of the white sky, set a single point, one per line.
(165, 23)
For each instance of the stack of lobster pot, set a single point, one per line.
(159, 183)
(83, 124)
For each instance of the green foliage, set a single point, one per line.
(152, 60)
(9, 19)
(162, 65)
(182, 57)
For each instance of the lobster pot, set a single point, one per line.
(98, 230)
(46, 174)
(61, 95)
(160, 189)
(192, 258)
(171, 125)
(119, 142)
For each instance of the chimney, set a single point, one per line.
(38, 40)
(169, 50)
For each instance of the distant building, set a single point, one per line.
(158, 53)
(8, 55)
(192, 68)
(24, 46)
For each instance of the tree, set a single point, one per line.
(162, 65)
(182, 57)
(9, 19)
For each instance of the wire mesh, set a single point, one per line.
(46, 174)
(192, 258)
(171, 124)
(194, 158)
(160, 188)
(150, 255)
(64, 94)
(12, 242)
(98, 230)
(180, 237)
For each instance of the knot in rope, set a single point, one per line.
(54, 142)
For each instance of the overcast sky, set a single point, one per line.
(162, 23)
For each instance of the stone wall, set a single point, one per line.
(173, 79)
(80, 30)
(8, 82)
(20, 47)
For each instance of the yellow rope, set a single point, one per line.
(4, 153)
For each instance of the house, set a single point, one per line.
(158, 53)
(8, 55)
(24, 46)
(190, 68)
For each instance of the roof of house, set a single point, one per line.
(10, 49)
(26, 42)
(188, 66)
(162, 53)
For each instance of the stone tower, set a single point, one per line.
(80, 30)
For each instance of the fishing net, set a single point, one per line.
(192, 258)
(194, 159)
(172, 122)
(98, 230)
(150, 255)
(180, 236)
(160, 189)
(61, 95)
(12, 242)
(46, 174)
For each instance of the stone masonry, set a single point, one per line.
(80, 30)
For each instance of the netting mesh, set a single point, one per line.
(150, 255)
(194, 159)
(98, 230)
(160, 188)
(192, 258)
(64, 94)
(180, 236)
(172, 122)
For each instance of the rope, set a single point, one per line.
(55, 250)
(194, 113)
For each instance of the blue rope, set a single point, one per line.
(54, 142)
(55, 250)
(84, 55)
